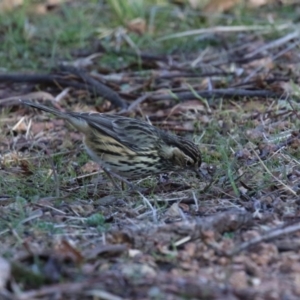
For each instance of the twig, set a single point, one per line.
(101, 294)
(226, 93)
(272, 234)
(274, 44)
(219, 29)
(261, 67)
(91, 85)
(136, 103)
(154, 214)
(100, 88)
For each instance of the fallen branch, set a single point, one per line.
(272, 234)
(90, 84)
(147, 238)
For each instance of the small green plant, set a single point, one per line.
(97, 220)
(128, 10)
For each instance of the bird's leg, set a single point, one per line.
(96, 184)
(111, 179)
(111, 176)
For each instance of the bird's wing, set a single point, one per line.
(134, 134)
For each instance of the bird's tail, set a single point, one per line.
(45, 108)
(76, 119)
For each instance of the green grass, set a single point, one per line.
(39, 42)
(54, 35)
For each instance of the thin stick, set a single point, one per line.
(272, 234)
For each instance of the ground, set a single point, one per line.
(232, 87)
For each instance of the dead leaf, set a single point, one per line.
(7, 5)
(20, 127)
(137, 25)
(39, 9)
(184, 207)
(194, 106)
(197, 3)
(219, 6)
(106, 251)
(38, 127)
(43, 8)
(257, 3)
(266, 62)
(89, 167)
(174, 211)
(64, 249)
(26, 167)
(82, 63)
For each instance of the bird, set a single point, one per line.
(128, 148)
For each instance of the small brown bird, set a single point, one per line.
(130, 148)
